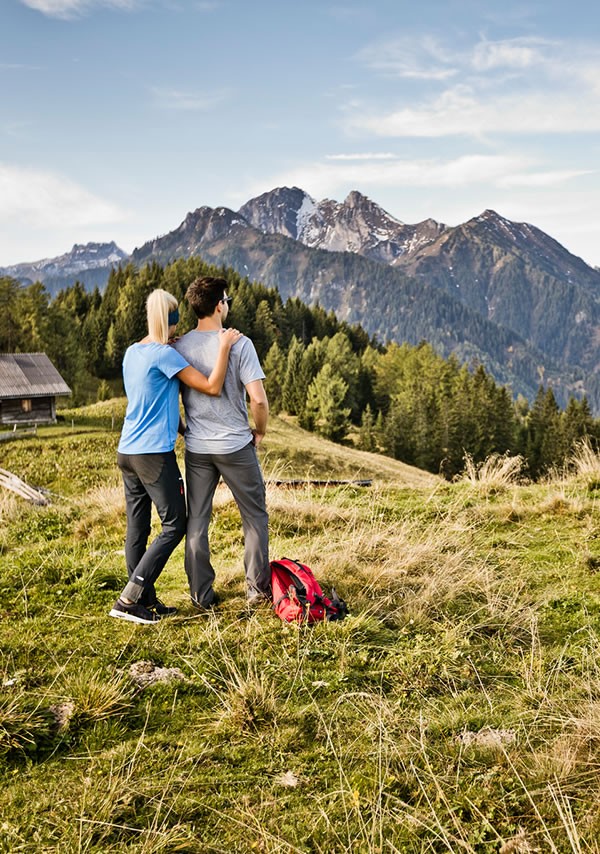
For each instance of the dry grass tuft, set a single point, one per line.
(493, 475)
(248, 702)
(95, 698)
(10, 506)
(558, 504)
(103, 507)
(122, 808)
(21, 725)
(585, 462)
(404, 572)
(245, 696)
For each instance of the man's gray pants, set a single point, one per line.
(242, 473)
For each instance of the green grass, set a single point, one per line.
(456, 709)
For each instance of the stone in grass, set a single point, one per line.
(62, 712)
(492, 739)
(146, 673)
(519, 844)
(288, 779)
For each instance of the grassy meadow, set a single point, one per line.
(457, 709)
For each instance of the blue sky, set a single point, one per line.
(117, 117)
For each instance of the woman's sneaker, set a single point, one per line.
(161, 609)
(135, 613)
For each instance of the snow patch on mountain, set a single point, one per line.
(307, 212)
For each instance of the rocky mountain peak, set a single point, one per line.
(280, 211)
(357, 201)
(356, 225)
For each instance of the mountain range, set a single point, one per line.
(489, 290)
(89, 263)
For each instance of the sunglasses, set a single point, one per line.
(228, 300)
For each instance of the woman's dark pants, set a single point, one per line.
(150, 479)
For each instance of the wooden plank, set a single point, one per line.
(14, 484)
(297, 483)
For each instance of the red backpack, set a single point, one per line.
(297, 596)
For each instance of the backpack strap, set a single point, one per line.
(286, 595)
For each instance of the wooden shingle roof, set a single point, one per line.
(30, 375)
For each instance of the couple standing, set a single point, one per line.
(217, 368)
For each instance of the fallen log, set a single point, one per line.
(13, 483)
(297, 483)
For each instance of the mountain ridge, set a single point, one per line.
(385, 301)
(490, 289)
(90, 263)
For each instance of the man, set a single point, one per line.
(220, 443)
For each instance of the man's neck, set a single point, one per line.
(210, 324)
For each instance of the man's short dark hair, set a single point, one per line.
(205, 293)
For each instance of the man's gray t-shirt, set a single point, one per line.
(218, 425)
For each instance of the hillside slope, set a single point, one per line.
(454, 709)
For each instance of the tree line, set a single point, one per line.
(402, 400)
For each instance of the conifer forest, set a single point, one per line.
(404, 401)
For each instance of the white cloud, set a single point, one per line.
(476, 175)
(175, 99)
(428, 58)
(519, 53)
(18, 66)
(67, 9)
(543, 179)
(325, 178)
(423, 59)
(461, 111)
(368, 156)
(511, 86)
(44, 199)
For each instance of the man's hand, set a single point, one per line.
(259, 407)
(257, 438)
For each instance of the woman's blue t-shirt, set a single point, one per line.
(152, 390)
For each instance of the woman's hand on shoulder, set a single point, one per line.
(228, 337)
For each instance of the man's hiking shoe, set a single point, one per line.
(205, 608)
(161, 609)
(258, 600)
(255, 604)
(135, 613)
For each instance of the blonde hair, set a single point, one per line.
(158, 306)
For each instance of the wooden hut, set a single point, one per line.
(29, 386)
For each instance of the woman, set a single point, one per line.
(152, 370)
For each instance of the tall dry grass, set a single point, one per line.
(585, 461)
(495, 474)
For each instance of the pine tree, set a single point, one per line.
(367, 437)
(10, 327)
(324, 404)
(274, 367)
(346, 364)
(104, 391)
(543, 433)
(33, 305)
(293, 398)
(265, 332)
